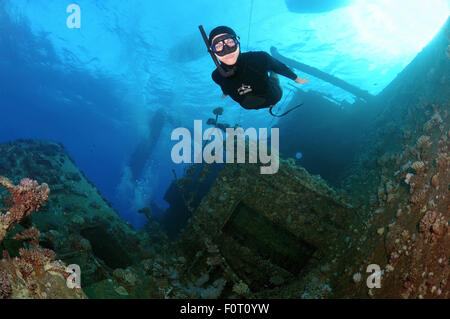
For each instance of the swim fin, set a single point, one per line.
(285, 113)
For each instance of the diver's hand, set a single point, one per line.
(224, 96)
(301, 81)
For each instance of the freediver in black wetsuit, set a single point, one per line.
(244, 76)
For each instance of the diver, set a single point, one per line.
(244, 76)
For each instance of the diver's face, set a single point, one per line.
(230, 58)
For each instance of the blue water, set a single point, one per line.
(95, 89)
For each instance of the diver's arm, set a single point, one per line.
(216, 80)
(281, 68)
(301, 81)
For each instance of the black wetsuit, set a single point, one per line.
(251, 86)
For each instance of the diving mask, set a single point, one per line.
(225, 44)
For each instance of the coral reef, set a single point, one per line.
(5, 286)
(27, 197)
(34, 273)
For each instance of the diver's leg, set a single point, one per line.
(277, 91)
(273, 78)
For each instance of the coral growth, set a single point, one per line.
(423, 142)
(418, 166)
(30, 234)
(26, 197)
(416, 241)
(5, 286)
(433, 225)
(34, 273)
(241, 289)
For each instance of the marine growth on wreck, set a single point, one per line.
(92, 205)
